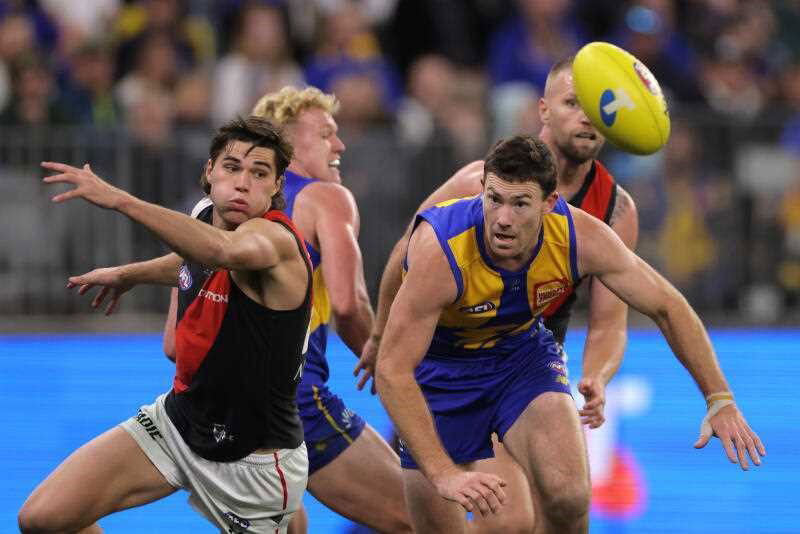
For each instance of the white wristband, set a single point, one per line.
(716, 406)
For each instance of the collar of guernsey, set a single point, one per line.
(496, 310)
(321, 307)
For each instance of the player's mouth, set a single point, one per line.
(503, 238)
(587, 135)
(334, 164)
(238, 204)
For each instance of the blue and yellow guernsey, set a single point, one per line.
(316, 363)
(497, 310)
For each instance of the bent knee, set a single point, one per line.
(36, 517)
(568, 505)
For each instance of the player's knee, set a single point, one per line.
(568, 505)
(36, 518)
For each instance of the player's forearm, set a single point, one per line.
(159, 271)
(689, 341)
(390, 284)
(403, 400)
(188, 237)
(354, 328)
(603, 352)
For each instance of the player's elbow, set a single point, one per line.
(349, 305)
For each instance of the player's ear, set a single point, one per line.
(544, 111)
(550, 202)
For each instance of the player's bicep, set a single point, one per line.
(258, 244)
(625, 219)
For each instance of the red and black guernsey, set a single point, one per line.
(597, 196)
(238, 363)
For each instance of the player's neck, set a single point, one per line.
(571, 176)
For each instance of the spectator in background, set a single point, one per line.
(88, 92)
(531, 41)
(34, 99)
(192, 38)
(17, 37)
(260, 62)
(647, 30)
(349, 50)
(155, 73)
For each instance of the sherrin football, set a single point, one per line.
(621, 97)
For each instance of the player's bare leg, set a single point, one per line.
(549, 445)
(364, 483)
(108, 474)
(299, 522)
(430, 512)
(517, 514)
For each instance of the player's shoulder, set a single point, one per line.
(468, 178)
(624, 212)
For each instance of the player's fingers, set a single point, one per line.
(750, 446)
(728, 445)
(702, 440)
(477, 499)
(65, 196)
(497, 490)
(464, 501)
(741, 449)
(98, 299)
(84, 288)
(760, 446)
(363, 380)
(61, 167)
(112, 306)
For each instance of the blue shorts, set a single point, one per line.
(329, 427)
(471, 399)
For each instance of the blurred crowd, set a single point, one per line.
(436, 82)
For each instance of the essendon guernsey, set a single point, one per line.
(597, 196)
(237, 363)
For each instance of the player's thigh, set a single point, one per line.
(299, 522)
(518, 513)
(364, 482)
(108, 474)
(548, 443)
(431, 513)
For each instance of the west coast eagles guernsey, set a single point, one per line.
(496, 311)
(316, 363)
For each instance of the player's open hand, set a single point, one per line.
(738, 439)
(594, 395)
(476, 491)
(111, 281)
(87, 185)
(366, 363)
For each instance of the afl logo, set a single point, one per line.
(612, 101)
(184, 278)
(479, 308)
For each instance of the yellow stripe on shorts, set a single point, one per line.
(328, 416)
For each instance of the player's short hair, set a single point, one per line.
(283, 107)
(260, 132)
(556, 69)
(522, 158)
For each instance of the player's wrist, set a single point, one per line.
(719, 398)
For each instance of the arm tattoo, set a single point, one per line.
(621, 206)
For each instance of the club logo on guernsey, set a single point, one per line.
(478, 308)
(184, 278)
(545, 292)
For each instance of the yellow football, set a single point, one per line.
(621, 97)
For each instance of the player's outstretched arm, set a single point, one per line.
(336, 222)
(428, 288)
(115, 281)
(255, 245)
(608, 323)
(603, 254)
(465, 182)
